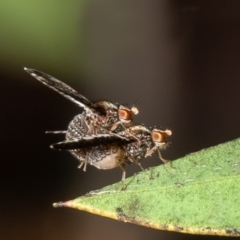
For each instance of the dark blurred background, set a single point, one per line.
(177, 61)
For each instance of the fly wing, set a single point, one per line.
(91, 141)
(61, 88)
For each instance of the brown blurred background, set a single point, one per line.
(177, 61)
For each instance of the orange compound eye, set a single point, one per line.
(124, 114)
(158, 137)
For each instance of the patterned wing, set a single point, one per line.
(61, 88)
(92, 141)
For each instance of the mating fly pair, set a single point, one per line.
(103, 135)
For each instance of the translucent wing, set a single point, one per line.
(61, 88)
(91, 141)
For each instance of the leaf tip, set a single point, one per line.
(61, 204)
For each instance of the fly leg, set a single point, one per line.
(84, 162)
(56, 132)
(132, 135)
(115, 125)
(160, 156)
(121, 163)
(122, 166)
(151, 151)
(136, 161)
(164, 160)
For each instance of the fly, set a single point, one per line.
(97, 119)
(107, 151)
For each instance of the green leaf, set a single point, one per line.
(198, 194)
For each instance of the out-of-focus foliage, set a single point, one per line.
(45, 33)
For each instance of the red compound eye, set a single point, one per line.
(124, 114)
(158, 137)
